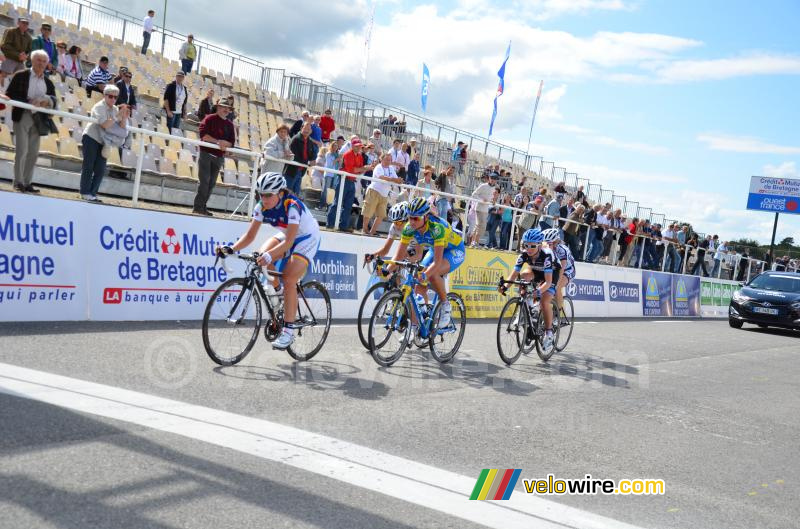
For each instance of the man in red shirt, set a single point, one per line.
(215, 128)
(328, 125)
(353, 163)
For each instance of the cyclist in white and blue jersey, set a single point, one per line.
(289, 251)
(564, 256)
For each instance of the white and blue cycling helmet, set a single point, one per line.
(533, 235)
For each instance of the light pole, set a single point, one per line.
(164, 29)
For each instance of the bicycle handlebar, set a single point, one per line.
(250, 258)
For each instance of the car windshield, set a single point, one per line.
(782, 283)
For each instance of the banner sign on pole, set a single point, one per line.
(777, 195)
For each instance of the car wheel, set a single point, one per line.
(736, 324)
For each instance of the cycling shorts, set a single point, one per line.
(305, 247)
(454, 256)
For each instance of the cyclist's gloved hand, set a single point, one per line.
(223, 251)
(411, 252)
(264, 259)
(369, 257)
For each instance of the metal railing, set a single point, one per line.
(260, 157)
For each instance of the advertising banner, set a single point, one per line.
(716, 294)
(476, 281)
(781, 195)
(338, 272)
(657, 288)
(623, 292)
(42, 274)
(586, 290)
(685, 295)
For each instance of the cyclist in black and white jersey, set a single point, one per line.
(564, 256)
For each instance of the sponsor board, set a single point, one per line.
(586, 290)
(337, 271)
(715, 294)
(477, 278)
(685, 295)
(657, 294)
(781, 195)
(619, 292)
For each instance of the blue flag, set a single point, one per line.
(426, 81)
(501, 73)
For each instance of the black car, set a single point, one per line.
(769, 299)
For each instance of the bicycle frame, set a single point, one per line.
(407, 289)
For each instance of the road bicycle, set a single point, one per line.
(521, 326)
(371, 296)
(233, 315)
(390, 325)
(566, 321)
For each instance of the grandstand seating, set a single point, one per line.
(258, 112)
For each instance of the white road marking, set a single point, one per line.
(356, 465)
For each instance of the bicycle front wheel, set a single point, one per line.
(512, 328)
(231, 321)
(365, 309)
(546, 353)
(389, 329)
(566, 323)
(445, 339)
(313, 320)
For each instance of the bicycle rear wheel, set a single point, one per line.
(543, 353)
(389, 329)
(566, 323)
(313, 320)
(366, 307)
(445, 340)
(231, 321)
(512, 328)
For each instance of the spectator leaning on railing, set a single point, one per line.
(305, 152)
(277, 147)
(33, 87)
(353, 163)
(215, 128)
(376, 199)
(484, 193)
(96, 142)
(719, 255)
(16, 47)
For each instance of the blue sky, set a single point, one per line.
(671, 103)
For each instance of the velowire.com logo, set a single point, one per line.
(495, 484)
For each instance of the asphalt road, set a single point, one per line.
(713, 411)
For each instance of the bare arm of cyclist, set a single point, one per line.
(248, 237)
(282, 247)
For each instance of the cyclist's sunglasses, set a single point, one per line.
(415, 219)
(267, 195)
(531, 246)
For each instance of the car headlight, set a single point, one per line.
(739, 297)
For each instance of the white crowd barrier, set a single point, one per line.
(73, 260)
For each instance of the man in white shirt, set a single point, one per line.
(147, 30)
(484, 193)
(719, 255)
(400, 159)
(377, 197)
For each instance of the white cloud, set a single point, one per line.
(784, 170)
(625, 145)
(728, 68)
(744, 144)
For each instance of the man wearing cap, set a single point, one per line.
(187, 54)
(215, 128)
(98, 78)
(328, 125)
(412, 148)
(353, 163)
(43, 42)
(126, 91)
(175, 97)
(305, 152)
(16, 48)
